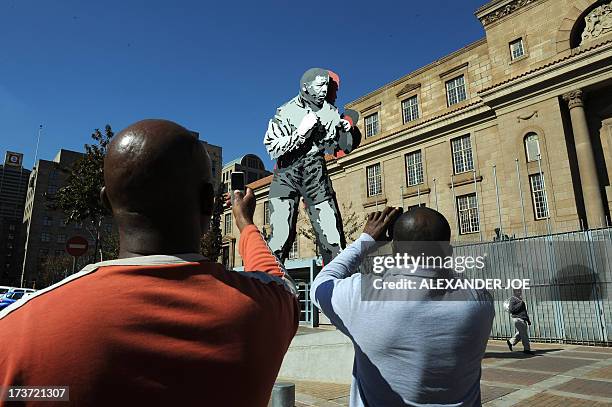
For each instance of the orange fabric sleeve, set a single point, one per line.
(256, 255)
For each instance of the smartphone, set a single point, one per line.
(237, 183)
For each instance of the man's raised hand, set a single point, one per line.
(378, 222)
(243, 208)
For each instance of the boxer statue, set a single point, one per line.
(298, 137)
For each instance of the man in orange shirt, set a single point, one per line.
(161, 325)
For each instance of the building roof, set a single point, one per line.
(235, 161)
(487, 5)
(417, 72)
(240, 159)
(262, 182)
(541, 67)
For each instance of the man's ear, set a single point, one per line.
(207, 199)
(105, 201)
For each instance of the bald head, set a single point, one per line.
(422, 230)
(157, 173)
(421, 225)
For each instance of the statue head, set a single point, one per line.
(313, 86)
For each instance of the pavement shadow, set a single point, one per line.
(517, 354)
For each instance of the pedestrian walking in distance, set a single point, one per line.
(520, 318)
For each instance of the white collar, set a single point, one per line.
(155, 259)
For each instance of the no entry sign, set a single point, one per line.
(76, 246)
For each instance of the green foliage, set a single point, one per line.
(79, 198)
(110, 246)
(53, 270)
(352, 224)
(210, 244)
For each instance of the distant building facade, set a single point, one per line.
(510, 136)
(254, 170)
(13, 189)
(46, 229)
(216, 158)
(252, 166)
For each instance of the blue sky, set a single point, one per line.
(220, 68)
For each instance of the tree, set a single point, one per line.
(54, 269)
(79, 198)
(352, 224)
(210, 244)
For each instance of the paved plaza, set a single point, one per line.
(557, 375)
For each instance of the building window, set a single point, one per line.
(371, 125)
(266, 212)
(410, 109)
(517, 49)
(467, 211)
(462, 154)
(59, 253)
(294, 253)
(414, 168)
(411, 207)
(11, 228)
(538, 195)
(228, 223)
(225, 256)
(9, 245)
(108, 228)
(47, 220)
(61, 238)
(374, 180)
(42, 254)
(10, 236)
(45, 237)
(532, 147)
(455, 90)
(52, 189)
(61, 222)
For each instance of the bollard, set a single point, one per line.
(283, 395)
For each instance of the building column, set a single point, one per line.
(591, 191)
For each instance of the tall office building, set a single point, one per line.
(45, 228)
(13, 187)
(216, 158)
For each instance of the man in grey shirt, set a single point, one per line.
(421, 350)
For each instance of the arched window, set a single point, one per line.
(532, 147)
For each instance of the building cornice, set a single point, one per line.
(559, 76)
(416, 72)
(399, 139)
(497, 10)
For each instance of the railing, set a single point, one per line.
(570, 278)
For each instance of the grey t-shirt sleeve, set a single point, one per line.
(336, 287)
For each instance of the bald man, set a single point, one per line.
(412, 347)
(161, 325)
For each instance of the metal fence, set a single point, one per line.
(570, 278)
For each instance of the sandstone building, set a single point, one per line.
(509, 136)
